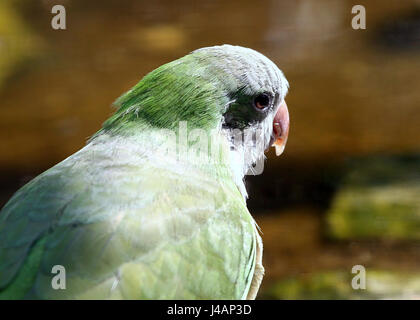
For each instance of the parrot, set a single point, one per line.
(154, 205)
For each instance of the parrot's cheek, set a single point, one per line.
(280, 128)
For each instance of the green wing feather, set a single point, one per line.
(126, 229)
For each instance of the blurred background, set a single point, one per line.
(346, 190)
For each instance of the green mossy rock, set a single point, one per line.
(380, 284)
(379, 199)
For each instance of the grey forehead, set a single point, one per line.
(249, 66)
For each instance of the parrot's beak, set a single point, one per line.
(280, 128)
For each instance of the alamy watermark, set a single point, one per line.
(358, 281)
(58, 282)
(196, 146)
(58, 22)
(359, 20)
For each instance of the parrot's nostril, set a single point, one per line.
(277, 129)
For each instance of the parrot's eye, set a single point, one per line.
(262, 101)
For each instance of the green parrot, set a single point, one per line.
(154, 206)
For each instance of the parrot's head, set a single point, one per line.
(231, 89)
(256, 90)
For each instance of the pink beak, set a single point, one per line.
(281, 128)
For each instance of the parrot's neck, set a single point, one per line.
(209, 152)
(219, 152)
(246, 149)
